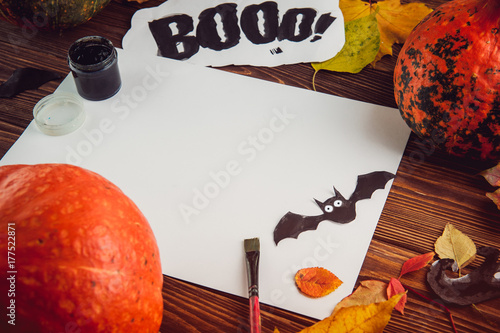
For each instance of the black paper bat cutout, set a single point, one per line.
(478, 286)
(335, 209)
(26, 79)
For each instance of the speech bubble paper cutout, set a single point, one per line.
(335, 209)
(219, 33)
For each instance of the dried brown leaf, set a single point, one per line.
(492, 176)
(369, 291)
(495, 197)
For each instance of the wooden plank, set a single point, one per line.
(431, 188)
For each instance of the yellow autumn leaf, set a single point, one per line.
(395, 20)
(453, 244)
(372, 318)
(362, 42)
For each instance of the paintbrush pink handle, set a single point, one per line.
(254, 314)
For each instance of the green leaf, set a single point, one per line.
(360, 49)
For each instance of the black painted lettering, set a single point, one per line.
(288, 27)
(324, 22)
(168, 42)
(250, 22)
(207, 33)
(219, 28)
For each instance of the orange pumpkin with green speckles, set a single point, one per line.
(78, 254)
(447, 78)
(51, 14)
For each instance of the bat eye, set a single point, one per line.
(337, 203)
(328, 208)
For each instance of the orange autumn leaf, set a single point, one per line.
(395, 20)
(416, 263)
(394, 288)
(368, 292)
(316, 281)
(371, 318)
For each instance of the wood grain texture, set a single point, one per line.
(431, 188)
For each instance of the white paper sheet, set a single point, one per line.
(245, 32)
(213, 158)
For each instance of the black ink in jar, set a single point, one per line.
(94, 63)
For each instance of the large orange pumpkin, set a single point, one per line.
(447, 78)
(78, 254)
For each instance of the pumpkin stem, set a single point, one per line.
(492, 5)
(488, 10)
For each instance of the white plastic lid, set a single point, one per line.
(59, 113)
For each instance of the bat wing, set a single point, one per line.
(292, 225)
(369, 183)
(26, 79)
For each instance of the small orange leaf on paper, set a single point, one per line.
(416, 263)
(369, 291)
(316, 281)
(371, 318)
(394, 288)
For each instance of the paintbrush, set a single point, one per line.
(252, 251)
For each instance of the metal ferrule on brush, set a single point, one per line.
(252, 251)
(253, 272)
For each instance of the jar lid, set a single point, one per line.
(59, 113)
(91, 54)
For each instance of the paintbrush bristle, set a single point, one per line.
(252, 244)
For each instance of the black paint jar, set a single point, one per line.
(94, 63)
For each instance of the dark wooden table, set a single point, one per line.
(431, 188)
